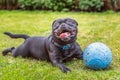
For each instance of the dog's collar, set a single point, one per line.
(63, 47)
(66, 47)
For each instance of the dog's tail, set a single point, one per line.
(24, 36)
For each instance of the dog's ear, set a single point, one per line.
(71, 22)
(53, 23)
(56, 23)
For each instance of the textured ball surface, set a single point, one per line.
(97, 56)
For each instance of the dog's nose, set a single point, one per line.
(64, 26)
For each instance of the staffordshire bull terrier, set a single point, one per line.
(60, 46)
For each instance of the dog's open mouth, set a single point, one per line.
(65, 35)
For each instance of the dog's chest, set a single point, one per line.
(65, 56)
(65, 53)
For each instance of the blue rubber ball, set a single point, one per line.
(97, 56)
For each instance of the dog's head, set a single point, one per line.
(64, 30)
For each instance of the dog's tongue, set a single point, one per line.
(65, 34)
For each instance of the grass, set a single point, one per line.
(103, 27)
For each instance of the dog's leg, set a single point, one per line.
(4, 52)
(62, 67)
(56, 62)
(19, 51)
(16, 35)
(79, 54)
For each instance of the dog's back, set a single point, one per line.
(37, 47)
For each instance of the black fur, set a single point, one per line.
(50, 48)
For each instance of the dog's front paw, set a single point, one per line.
(65, 69)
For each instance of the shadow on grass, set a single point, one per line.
(106, 69)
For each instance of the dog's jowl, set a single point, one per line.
(60, 46)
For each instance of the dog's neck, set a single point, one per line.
(63, 47)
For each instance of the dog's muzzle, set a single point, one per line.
(65, 32)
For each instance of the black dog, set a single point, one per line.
(60, 46)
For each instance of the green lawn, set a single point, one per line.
(103, 27)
